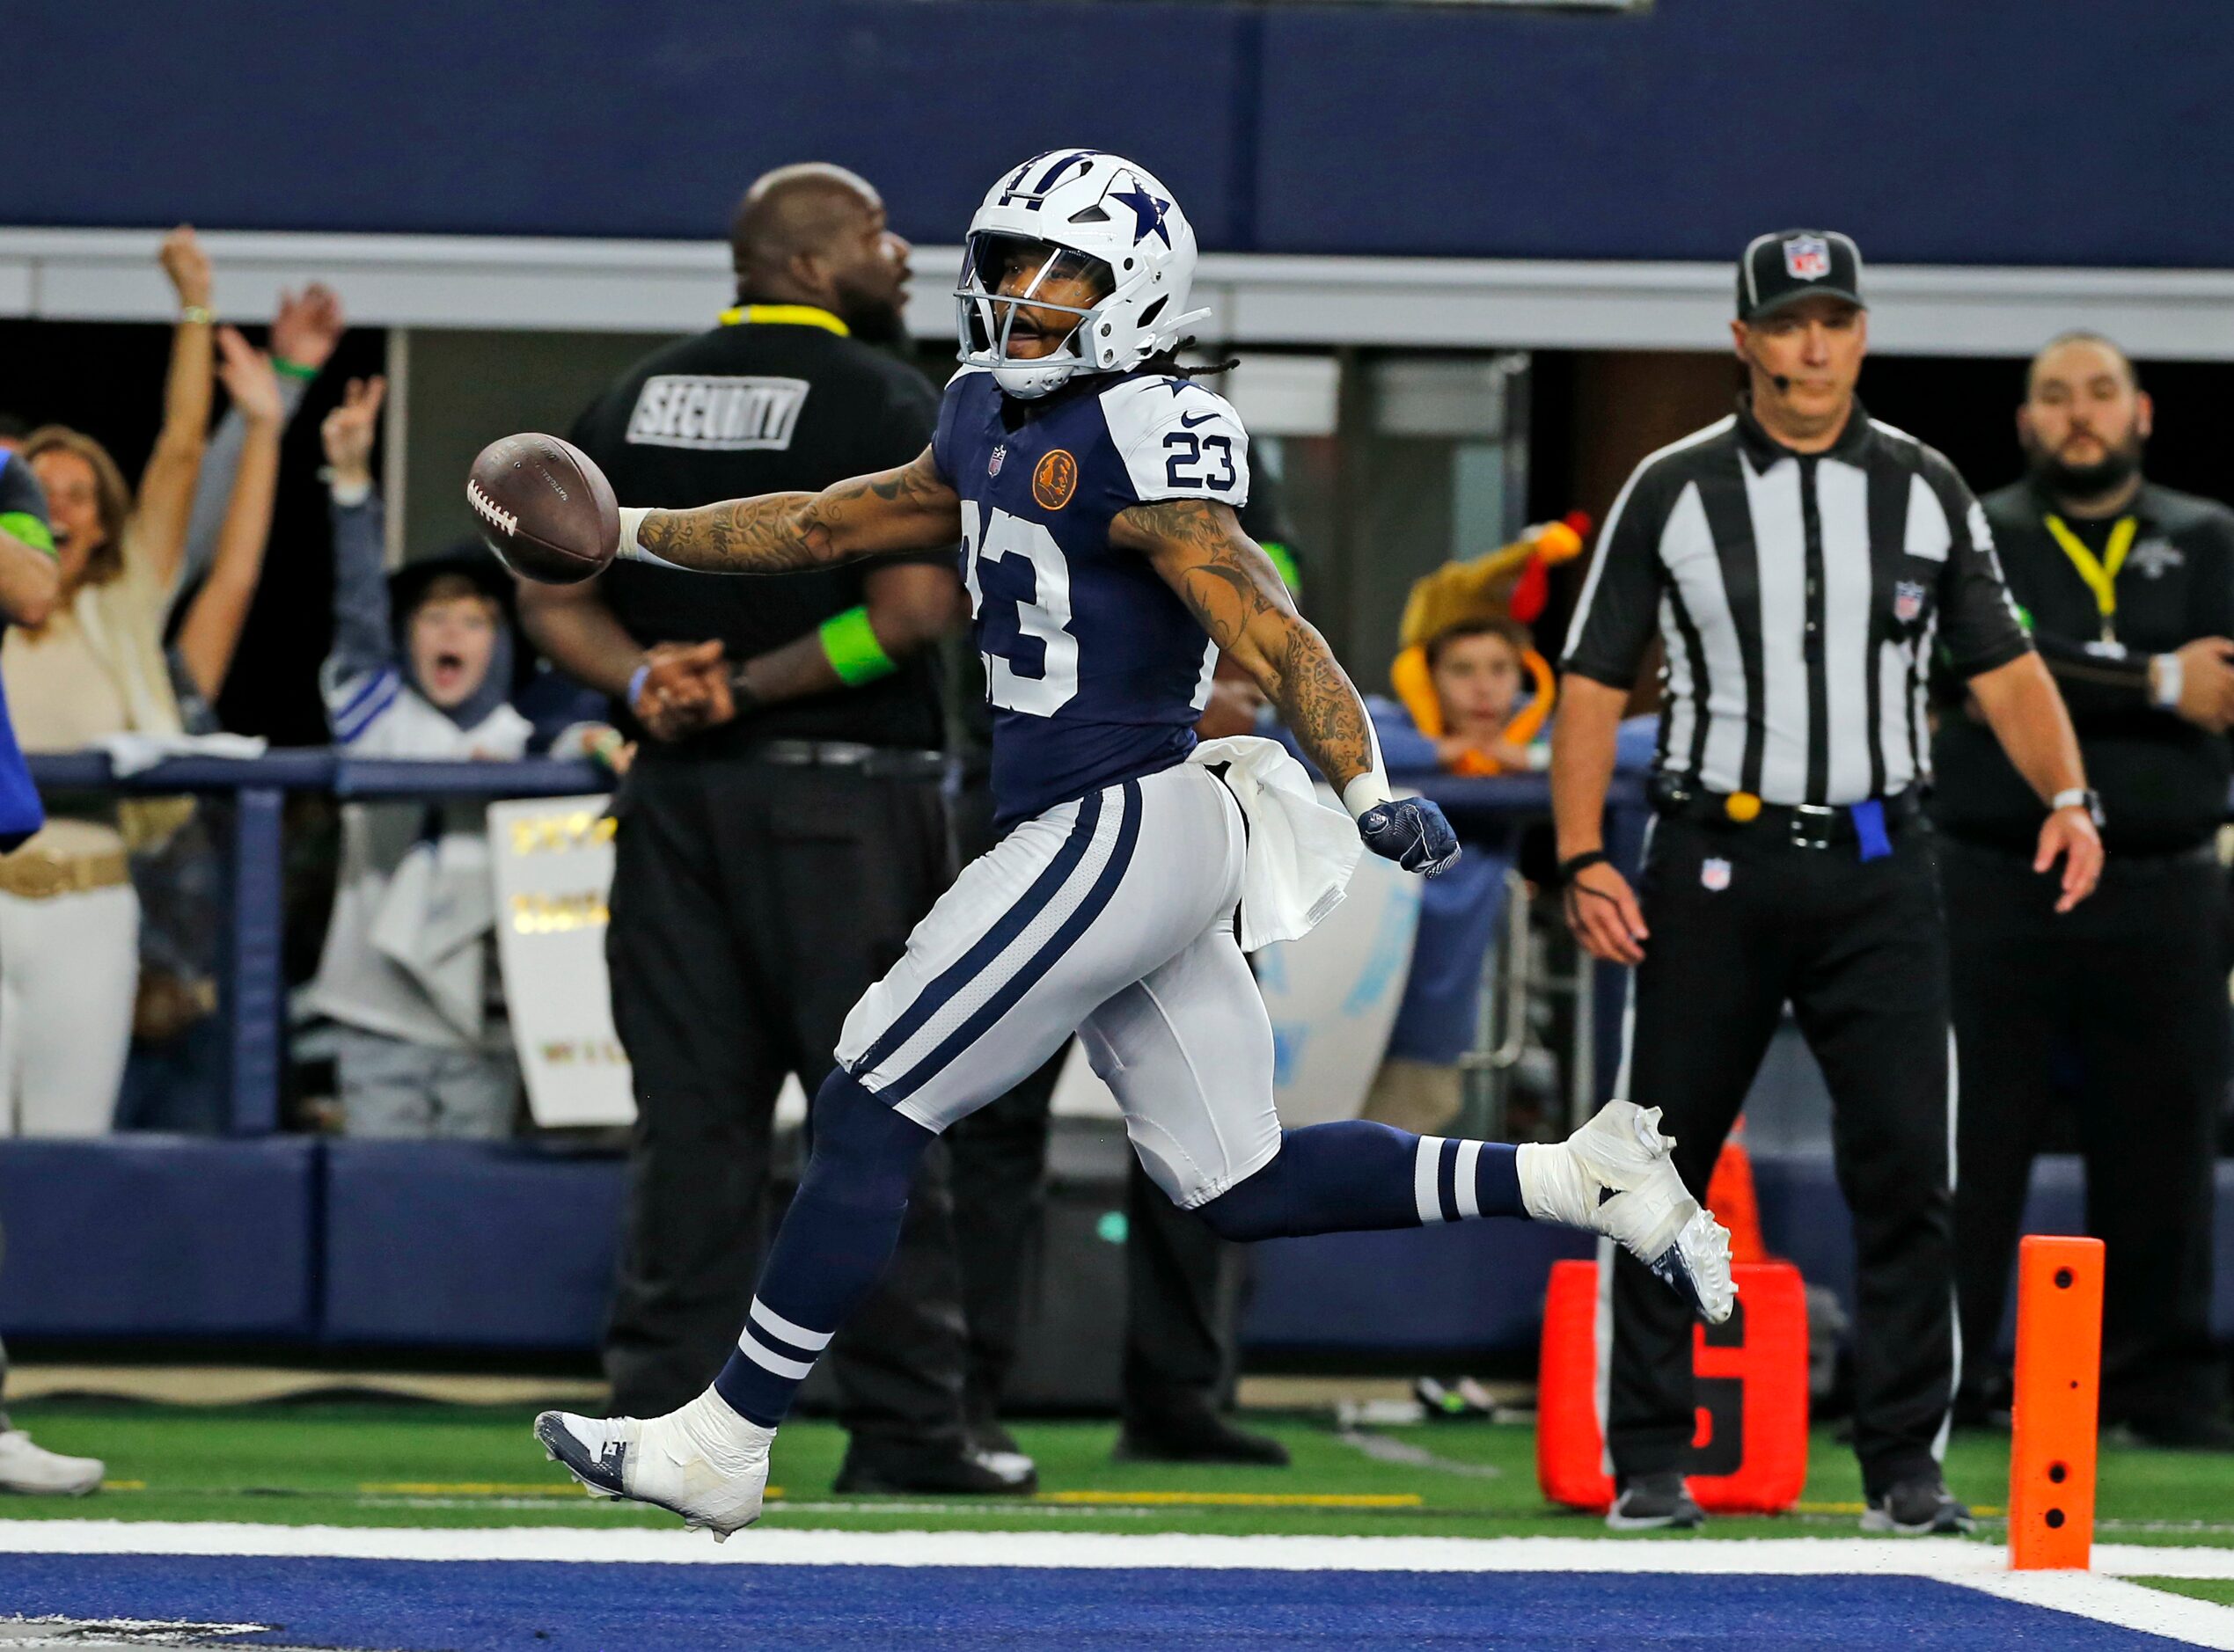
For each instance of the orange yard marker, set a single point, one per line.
(2059, 1382)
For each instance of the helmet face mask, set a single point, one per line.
(1081, 223)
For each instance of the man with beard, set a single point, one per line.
(2128, 588)
(781, 832)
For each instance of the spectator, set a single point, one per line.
(421, 667)
(175, 1076)
(1476, 668)
(94, 668)
(29, 583)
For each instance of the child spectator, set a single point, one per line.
(421, 667)
(1475, 666)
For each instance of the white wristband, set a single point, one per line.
(632, 548)
(2164, 680)
(2070, 797)
(1369, 790)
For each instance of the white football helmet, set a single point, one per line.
(1077, 212)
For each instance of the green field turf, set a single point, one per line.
(439, 1465)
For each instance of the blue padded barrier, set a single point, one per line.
(1468, 1287)
(468, 1244)
(1804, 1218)
(158, 1236)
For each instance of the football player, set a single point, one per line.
(1093, 484)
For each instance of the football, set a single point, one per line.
(544, 508)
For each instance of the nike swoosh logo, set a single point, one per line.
(1199, 419)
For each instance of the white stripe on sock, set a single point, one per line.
(797, 1335)
(1425, 1165)
(760, 1354)
(1470, 1160)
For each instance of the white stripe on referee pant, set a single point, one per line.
(797, 1335)
(1469, 1159)
(760, 1354)
(1425, 1163)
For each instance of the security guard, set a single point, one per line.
(2130, 591)
(781, 830)
(1801, 563)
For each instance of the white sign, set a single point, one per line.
(553, 862)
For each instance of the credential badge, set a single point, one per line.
(1908, 601)
(1807, 257)
(1714, 873)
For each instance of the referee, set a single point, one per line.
(2130, 588)
(1801, 564)
(781, 829)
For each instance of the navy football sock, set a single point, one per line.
(833, 1243)
(1353, 1176)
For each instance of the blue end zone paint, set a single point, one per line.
(482, 1606)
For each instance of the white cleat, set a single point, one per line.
(704, 1462)
(1614, 1176)
(36, 1471)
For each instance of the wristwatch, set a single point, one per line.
(2083, 797)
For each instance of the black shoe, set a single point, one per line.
(1918, 1507)
(2181, 1431)
(1654, 1502)
(966, 1473)
(1195, 1436)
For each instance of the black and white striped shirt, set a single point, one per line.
(1800, 596)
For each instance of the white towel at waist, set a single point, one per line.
(1300, 851)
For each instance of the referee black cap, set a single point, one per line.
(1790, 265)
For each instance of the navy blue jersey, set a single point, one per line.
(1095, 671)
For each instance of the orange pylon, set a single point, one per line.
(2059, 1385)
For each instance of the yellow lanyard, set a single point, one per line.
(788, 315)
(2102, 576)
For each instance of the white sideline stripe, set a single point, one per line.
(1423, 1168)
(2102, 1597)
(1951, 1560)
(797, 1335)
(754, 1350)
(1465, 1188)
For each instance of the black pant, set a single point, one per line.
(2135, 980)
(752, 905)
(1859, 950)
(1180, 1278)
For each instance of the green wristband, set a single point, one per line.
(1283, 561)
(850, 647)
(293, 369)
(25, 526)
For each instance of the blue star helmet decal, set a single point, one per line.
(1147, 212)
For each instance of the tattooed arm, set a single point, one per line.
(910, 509)
(1199, 548)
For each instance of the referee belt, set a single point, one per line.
(878, 763)
(1808, 825)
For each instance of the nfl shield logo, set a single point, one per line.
(1807, 257)
(992, 464)
(1908, 601)
(1714, 873)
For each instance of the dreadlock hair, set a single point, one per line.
(1168, 363)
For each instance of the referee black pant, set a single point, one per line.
(2133, 981)
(752, 904)
(1743, 920)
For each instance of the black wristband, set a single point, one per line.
(1582, 862)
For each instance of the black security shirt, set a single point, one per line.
(2162, 780)
(765, 407)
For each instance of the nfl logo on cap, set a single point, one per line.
(1807, 257)
(1908, 601)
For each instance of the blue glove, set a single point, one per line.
(1412, 832)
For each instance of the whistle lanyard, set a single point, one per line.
(2101, 577)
